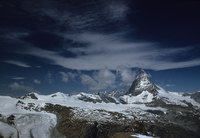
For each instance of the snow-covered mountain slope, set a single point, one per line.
(20, 105)
(176, 98)
(18, 122)
(144, 97)
(24, 117)
(195, 96)
(35, 115)
(142, 91)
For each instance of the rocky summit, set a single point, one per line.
(145, 110)
(143, 83)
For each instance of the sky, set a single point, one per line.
(75, 46)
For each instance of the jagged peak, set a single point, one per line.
(143, 80)
(143, 74)
(31, 95)
(142, 83)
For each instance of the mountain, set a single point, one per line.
(141, 84)
(145, 110)
(195, 96)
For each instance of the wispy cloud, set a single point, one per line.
(111, 51)
(89, 81)
(127, 76)
(104, 50)
(169, 85)
(18, 63)
(117, 10)
(49, 77)
(36, 81)
(17, 78)
(81, 16)
(65, 77)
(19, 86)
(15, 35)
(99, 80)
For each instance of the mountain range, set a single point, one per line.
(144, 110)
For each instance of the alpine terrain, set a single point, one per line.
(145, 110)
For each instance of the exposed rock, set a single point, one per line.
(169, 125)
(30, 95)
(107, 98)
(142, 83)
(196, 96)
(54, 95)
(89, 99)
(158, 112)
(10, 120)
(20, 102)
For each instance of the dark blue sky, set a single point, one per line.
(95, 45)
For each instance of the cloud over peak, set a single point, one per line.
(127, 76)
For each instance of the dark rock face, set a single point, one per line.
(30, 95)
(171, 131)
(10, 120)
(186, 117)
(88, 99)
(171, 125)
(196, 96)
(157, 112)
(70, 127)
(107, 99)
(103, 97)
(142, 83)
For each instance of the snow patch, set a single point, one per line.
(144, 97)
(176, 98)
(141, 136)
(143, 81)
(35, 125)
(7, 131)
(92, 96)
(28, 123)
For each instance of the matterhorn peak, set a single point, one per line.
(143, 76)
(142, 83)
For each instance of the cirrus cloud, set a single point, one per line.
(18, 63)
(17, 78)
(111, 51)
